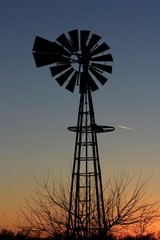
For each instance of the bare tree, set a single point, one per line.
(127, 205)
(46, 212)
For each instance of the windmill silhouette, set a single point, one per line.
(79, 60)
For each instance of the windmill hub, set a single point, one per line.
(80, 61)
(85, 57)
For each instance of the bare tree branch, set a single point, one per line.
(46, 212)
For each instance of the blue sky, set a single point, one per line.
(35, 112)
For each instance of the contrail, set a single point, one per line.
(124, 127)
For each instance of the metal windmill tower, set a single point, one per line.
(79, 60)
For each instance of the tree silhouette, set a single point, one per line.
(46, 212)
(125, 207)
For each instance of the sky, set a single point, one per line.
(35, 112)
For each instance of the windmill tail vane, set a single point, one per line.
(79, 59)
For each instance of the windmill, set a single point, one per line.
(79, 60)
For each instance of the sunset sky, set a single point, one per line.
(35, 112)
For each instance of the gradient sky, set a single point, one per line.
(35, 112)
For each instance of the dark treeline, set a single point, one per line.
(10, 235)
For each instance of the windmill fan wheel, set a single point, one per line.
(77, 59)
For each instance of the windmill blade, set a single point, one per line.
(42, 59)
(42, 45)
(74, 39)
(61, 79)
(71, 85)
(92, 83)
(94, 39)
(60, 68)
(62, 39)
(84, 34)
(105, 68)
(98, 76)
(107, 57)
(103, 47)
(59, 50)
